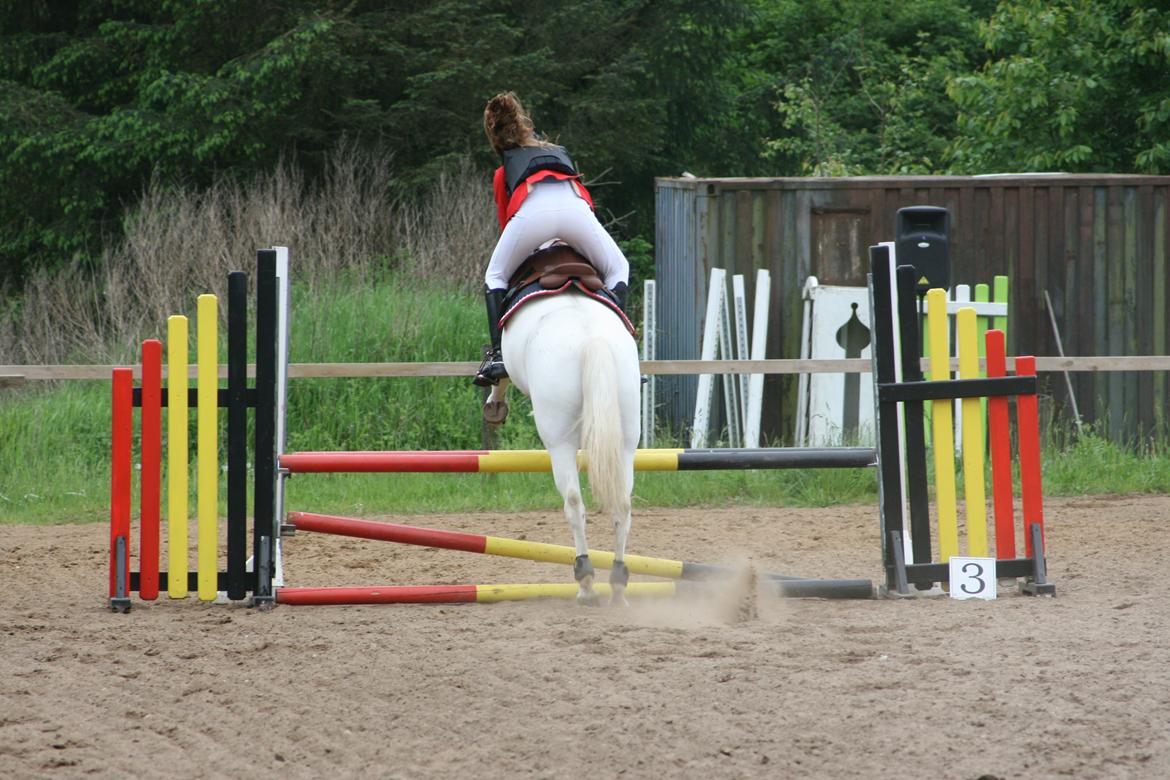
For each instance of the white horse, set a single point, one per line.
(579, 365)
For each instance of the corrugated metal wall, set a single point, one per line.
(1096, 243)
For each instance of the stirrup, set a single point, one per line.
(491, 370)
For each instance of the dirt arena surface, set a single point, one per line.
(1072, 686)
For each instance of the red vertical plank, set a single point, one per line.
(122, 415)
(1028, 422)
(151, 468)
(999, 437)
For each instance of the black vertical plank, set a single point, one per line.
(237, 436)
(889, 460)
(913, 422)
(264, 493)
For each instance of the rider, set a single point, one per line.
(539, 197)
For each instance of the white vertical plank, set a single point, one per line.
(649, 349)
(283, 310)
(739, 298)
(755, 395)
(730, 385)
(715, 294)
(962, 297)
(809, 293)
(907, 542)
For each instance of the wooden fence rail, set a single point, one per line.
(17, 374)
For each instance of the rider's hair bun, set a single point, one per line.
(506, 123)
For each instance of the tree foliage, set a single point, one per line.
(100, 98)
(860, 87)
(1072, 85)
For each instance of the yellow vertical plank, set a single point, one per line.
(942, 427)
(973, 486)
(207, 485)
(177, 457)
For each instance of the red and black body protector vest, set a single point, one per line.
(520, 162)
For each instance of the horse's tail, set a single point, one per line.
(601, 426)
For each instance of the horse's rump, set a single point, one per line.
(581, 371)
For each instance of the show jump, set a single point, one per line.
(915, 548)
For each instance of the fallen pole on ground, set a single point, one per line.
(462, 594)
(793, 587)
(488, 594)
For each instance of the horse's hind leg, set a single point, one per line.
(619, 577)
(564, 467)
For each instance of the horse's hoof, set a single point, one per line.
(495, 412)
(588, 598)
(619, 600)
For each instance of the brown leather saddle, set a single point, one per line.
(552, 271)
(554, 266)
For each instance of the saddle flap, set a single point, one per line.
(560, 273)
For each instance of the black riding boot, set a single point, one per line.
(621, 291)
(492, 370)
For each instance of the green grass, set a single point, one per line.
(54, 440)
(54, 451)
(1093, 465)
(367, 494)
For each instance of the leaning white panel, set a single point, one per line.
(832, 314)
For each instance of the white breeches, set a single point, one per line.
(554, 210)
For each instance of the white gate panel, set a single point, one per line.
(836, 408)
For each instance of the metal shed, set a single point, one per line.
(1097, 243)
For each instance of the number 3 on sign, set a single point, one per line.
(972, 578)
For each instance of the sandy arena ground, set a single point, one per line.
(1075, 686)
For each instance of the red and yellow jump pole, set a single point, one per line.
(788, 586)
(538, 461)
(461, 594)
(478, 543)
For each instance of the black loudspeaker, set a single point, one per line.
(922, 239)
